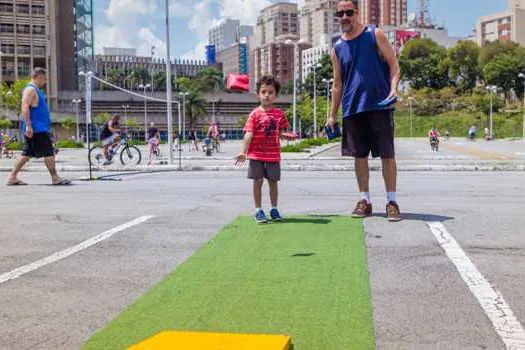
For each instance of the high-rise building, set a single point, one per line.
(56, 35)
(227, 33)
(383, 12)
(310, 57)
(317, 21)
(507, 26)
(235, 59)
(276, 20)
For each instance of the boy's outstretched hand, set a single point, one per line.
(240, 159)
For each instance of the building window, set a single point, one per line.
(22, 8)
(23, 50)
(6, 7)
(7, 48)
(39, 30)
(22, 28)
(38, 10)
(23, 68)
(6, 28)
(8, 67)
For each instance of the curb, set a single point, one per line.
(285, 167)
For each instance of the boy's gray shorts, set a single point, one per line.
(258, 169)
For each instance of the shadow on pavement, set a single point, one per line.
(418, 217)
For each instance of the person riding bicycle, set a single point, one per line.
(214, 133)
(433, 134)
(110, 136)
(153, 142)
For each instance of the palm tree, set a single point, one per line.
(195, 103)
(211, 79)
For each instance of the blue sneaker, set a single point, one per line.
(260, 217)
(275, 215)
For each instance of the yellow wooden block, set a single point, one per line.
(213, 341)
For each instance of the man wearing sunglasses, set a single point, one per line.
(366, 76)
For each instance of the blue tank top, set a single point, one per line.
(39, 115)
(365, 74)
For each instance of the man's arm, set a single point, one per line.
(387, 51)
(28, 99)
(337, 89)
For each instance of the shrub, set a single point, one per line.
(69, 144)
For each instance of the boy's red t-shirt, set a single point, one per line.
(266, 127)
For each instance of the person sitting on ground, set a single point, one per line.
(472, 132)
(110, 136)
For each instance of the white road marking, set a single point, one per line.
(505, 323)
(11, 275)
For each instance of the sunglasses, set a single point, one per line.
(349, 13)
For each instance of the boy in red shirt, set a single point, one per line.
(262, 147)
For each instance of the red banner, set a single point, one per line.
(403, 36)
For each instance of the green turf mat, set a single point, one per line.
(306, 277)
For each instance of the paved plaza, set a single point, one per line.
(420, 300)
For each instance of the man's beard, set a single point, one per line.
(347, 27)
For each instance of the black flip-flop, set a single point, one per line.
(16, 183)
(64, 182)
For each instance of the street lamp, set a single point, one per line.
(147, 86)
(522, 76)
(152, 68)
(328, 82)
(410, 100)
(213, 102)
(491, 89)
(314, 68)
(125, 116)
(184, 94)
(168, 84)
(77, 102)
(295, 68)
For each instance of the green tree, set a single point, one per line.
(211, 79)
(5, 124)
(503, 71)
(68, 123)
(195, 105)
(423, 64)
(100, 119)
(495, 48)
(463, 63)
(287, 87)
(325, 72)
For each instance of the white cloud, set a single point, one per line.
(203, 18)
(178, 9)
(124, 17)
(121, 10)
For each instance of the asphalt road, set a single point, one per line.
(419, 299)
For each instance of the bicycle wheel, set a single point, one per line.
(96, 154)
(130, 155)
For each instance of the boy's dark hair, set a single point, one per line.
(268, 80)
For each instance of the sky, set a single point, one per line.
(140, 24)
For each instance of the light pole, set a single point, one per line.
(125, 116)
(152, 70)
(76, 102)
(522, 76)
(168, 84)
(315, 67)
(295, 74)
(410, 99)
(184, 94)
(142, 86)
(88, 76)
(328, 82)
(213, 102)
(491, 89)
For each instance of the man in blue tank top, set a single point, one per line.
(366, 72)
(36, 124)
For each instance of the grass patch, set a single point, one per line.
(69, 144)
(306, 277)
(15, 146)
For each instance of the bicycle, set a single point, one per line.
(129, 155)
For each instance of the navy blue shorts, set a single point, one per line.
(38, 146)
